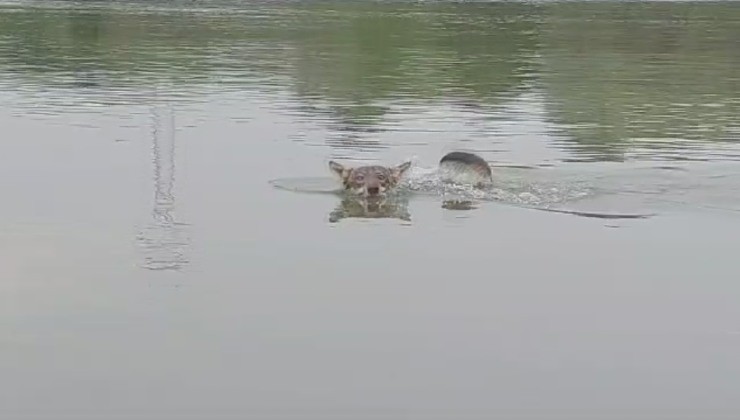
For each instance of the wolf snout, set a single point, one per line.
(373, 190)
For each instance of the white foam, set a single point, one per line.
(437, 182)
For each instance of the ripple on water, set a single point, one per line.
(425, 181)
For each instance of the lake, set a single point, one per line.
(164, 253)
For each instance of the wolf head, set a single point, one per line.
(369, 181)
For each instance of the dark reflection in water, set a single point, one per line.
(637, 81)
(459, 205)
(368, 208)
(357, 57)
(644, 80)
(397, 208)
(165, 240)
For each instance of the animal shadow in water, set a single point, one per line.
(371, 208)
(457, 204)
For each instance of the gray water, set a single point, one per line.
(150, 268)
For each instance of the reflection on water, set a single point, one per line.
(392, 207)
(511, 313)
(519, 83)
(457, 204)
(165, 240)
(641, 81)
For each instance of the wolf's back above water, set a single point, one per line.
(465, 168)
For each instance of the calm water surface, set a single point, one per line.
(149, 269)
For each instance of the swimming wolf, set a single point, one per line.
(377, 180)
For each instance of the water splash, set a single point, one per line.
(506, 189)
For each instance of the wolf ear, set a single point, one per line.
(400, 169)
(338, 169)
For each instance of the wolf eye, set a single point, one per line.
(359, 177)
(381, 177)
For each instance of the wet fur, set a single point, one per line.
(371, 180)
(376, 180)
(464, 168)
